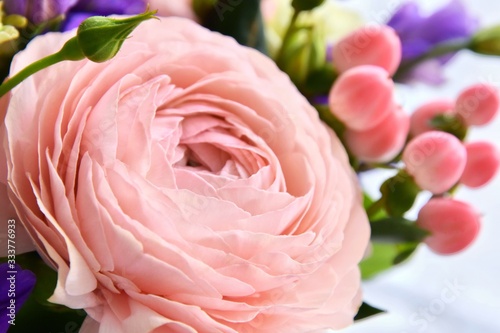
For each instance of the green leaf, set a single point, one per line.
(381, 259)
(367, 201)
(384, 256)
(396, 230)
(405, 251)
(400, 193)
(369, 204)
(240, 19)
(366, 311)
(319, 81)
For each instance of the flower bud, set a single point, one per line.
(421, 118)
(362, 97)
(100, 38)
(301, 5)
(8, 33)
(378, 46)
(453, 224)
(483, 160)
(436, 160)
(277, 14)
(382, 142)
(486, 41)
(304, 53)
(478, 104)
(16, 21)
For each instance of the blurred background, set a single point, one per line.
(441, 294)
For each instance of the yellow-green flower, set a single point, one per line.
(332, 19)
(9, 25)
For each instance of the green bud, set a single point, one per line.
(486, 41)
(303, 53)
(8, 33)
(100, 38)
(71, 50)
(302, 5)
(17, 21)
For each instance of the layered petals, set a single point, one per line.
(186, 181)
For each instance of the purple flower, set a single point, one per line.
(420, 34)
(87, 8)
(38, 11)
(16, 285)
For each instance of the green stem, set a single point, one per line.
(70, 51)
(370, 166)
(286, 37)
(439, 50)
(375, 208)
(30, 70)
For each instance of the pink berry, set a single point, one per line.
(422, 117)
(382, 142)
(370, 45)
(478, 104)
(362, 97)
(436, 160)
(483, 160)
(453, 224)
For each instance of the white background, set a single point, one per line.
(417, 295)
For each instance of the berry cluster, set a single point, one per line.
(428, 149)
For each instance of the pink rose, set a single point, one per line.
(185, 186)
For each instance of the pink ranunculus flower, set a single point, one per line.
(186, 186)
(23, 242)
